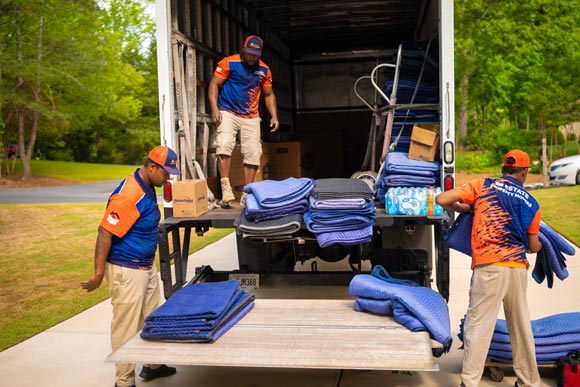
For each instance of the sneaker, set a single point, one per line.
(243, 200)
(148, 373)
(132, 385)
(227, 193)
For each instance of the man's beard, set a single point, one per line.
(251, 68)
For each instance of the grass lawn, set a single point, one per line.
(561, 210)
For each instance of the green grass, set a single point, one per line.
(561, 210)
(81, 172)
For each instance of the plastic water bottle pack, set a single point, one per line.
(414, 201)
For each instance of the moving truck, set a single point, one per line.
(354, 81)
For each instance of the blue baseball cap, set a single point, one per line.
(166, 158)
(253, 45)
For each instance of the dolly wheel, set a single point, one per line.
(495, 374)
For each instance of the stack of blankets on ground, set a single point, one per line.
(417, 308)
(274, 209)
(198, 313)
(554, 336)
(341, 211)
(401, 171)
(550, 259)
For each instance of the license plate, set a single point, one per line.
(247, 281)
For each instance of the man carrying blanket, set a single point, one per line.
(505, 225)
(125, 254)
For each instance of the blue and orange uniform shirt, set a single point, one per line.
(240, 94)
(504, 214)
(132, 216)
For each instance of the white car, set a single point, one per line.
(565, 171)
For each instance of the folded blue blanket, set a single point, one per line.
(273, 193)
(417, 308)
(204, 300)
(271, 228)
(258, 213)
(177, 333)
(458, 237)
(408, 180)
(340, 188)
(346, 238)
(345, 223)
(399, 162)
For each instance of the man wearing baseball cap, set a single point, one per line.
(506, 224)
(241, 77)
(125, 254)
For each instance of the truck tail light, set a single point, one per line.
(167, 192)
(448, 183)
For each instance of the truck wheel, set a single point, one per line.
(578, 178)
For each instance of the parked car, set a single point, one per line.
(565, 171)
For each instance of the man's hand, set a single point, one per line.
(216, 117)
(93, 283)
(274, 124)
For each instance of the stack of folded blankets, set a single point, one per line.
(554, 336)
(341, 211)
(417, 308)
(198, 313)
(401, 171)
(550, 259)
(274, 209)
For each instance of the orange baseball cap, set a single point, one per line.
(516, 158)
(166, 158)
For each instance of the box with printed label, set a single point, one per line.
(424, 142)
(189, 198)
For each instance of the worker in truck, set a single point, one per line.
(241, 77)
(125, 255)
(505, 226)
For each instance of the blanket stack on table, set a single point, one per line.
(554, 336)
(341, 211)
(401, 171)
(198, 313)
(417, 308)
(273, 209)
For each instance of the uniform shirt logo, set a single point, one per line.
(113, 218)
(260, 73)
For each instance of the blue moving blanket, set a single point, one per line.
(340, 188)
(554, 336)
(347, 238)
(417, 308)
(339, 204)
(550, 260)
(182, 331)
(278, 228)
(273, 193)
(399, 162)
(258, 213)
(198, 301)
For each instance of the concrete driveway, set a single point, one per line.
(73, 353)
(73, 193)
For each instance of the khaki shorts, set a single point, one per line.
(249, 129)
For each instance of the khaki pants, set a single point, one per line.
(249, 129)
(490, 286)
(134, 295)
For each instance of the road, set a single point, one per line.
(74, 193)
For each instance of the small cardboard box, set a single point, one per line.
(291, 159)
(424, 142)
(189, 198)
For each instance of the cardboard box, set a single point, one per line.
(424, 142)
(189, 198)
(291, 159)
(237, 169)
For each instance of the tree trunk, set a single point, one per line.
(463, 114)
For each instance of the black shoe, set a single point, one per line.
(129, 386)
(154, 373)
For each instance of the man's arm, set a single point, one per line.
(270, 100)
(534, 244)
(450, 200)
(213, 93)
(102, 248)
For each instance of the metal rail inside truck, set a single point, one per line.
(352, 79)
